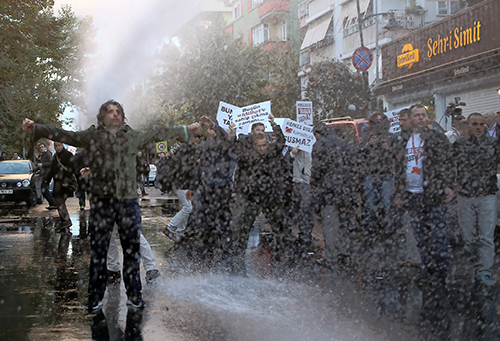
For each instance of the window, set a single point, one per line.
(283, 30)
(260, 34)
(449, 7)
(237, 10)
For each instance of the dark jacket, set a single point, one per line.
(184, 167)
(377, 159)
(256, 173)
(215, 159)
(62, 171)
(112, 158)
(46, 161)
(476, 163)
(333, 170)
(437, 167)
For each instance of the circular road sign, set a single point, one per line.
(162, 146)
(362, 59)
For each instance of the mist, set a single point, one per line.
(128, 34)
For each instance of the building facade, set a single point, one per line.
(331, 29)
(272, 24)
(457, 57)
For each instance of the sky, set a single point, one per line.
(128, 33)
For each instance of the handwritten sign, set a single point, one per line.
(226, 113)
(393, 117)
(305, 112)
(298, 134)
(252, 114)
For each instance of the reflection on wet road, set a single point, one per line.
(44, 276)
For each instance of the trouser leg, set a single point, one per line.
(148, 260)
(102, 219)
(113, 261)
(60, 203)
(181, 218)
(129, 230)
(486, 230)
(331, 232)
(46, 194)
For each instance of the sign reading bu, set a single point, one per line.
(409, 57)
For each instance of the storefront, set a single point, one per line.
(456, 57)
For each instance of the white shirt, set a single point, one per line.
(414, 164)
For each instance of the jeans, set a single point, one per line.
(46, 193)
(148, 260)
(378, 201)
(302, 211)
(104, 214)
(477, 217)
(181, 218)
(429, 228)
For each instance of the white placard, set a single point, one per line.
(252, 114)
(393, 118)
(225, 114)
(298, 134)
(305, 112)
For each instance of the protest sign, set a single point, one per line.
(298, 134)
(304, 112)
(393, 118)
(252, 114)
(226, 113)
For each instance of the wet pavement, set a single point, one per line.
(44, 275)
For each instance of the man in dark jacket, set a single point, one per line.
(44, 167)
(62, 171)
(111, 148)
(258, 189)
(423, 184)
(332, 175)
(477, 158)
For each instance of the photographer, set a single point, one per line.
(459, 128)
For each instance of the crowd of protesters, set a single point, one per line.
(224, 182)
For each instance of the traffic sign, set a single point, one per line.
(161, 146)
(362, 59)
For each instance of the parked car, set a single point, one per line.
(351, 130)
(18, 182)
(152, 173)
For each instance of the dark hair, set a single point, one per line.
(103, 110)
(320, 128)
(474, 114)
(416, 106)
(404, 112)
(41, 144)
(257, 124)
(376, 126)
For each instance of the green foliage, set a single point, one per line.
(332, 87)
(41, 65)
(208, 66)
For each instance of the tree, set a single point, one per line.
(208, 66)
(42, 57)
(333, 87)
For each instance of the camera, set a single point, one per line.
(453, 109)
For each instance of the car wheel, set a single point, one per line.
(32, 199)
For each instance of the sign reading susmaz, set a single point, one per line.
(298, 134)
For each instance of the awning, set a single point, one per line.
(350, 10)
(316, 31)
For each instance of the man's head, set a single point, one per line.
(15, 156)
(58, 146)
(4, 155)
(261, 143)
(404, 121)
(460, 124)
(418, 117)
(258, 129)
(111, 115)
(490, 118)
(477, 123)
(162, 155)
(42, 147)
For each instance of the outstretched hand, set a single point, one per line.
(194, 128)
(206, 122)
(28, 125)
(271, 118)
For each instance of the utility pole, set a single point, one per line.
(364, 73)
